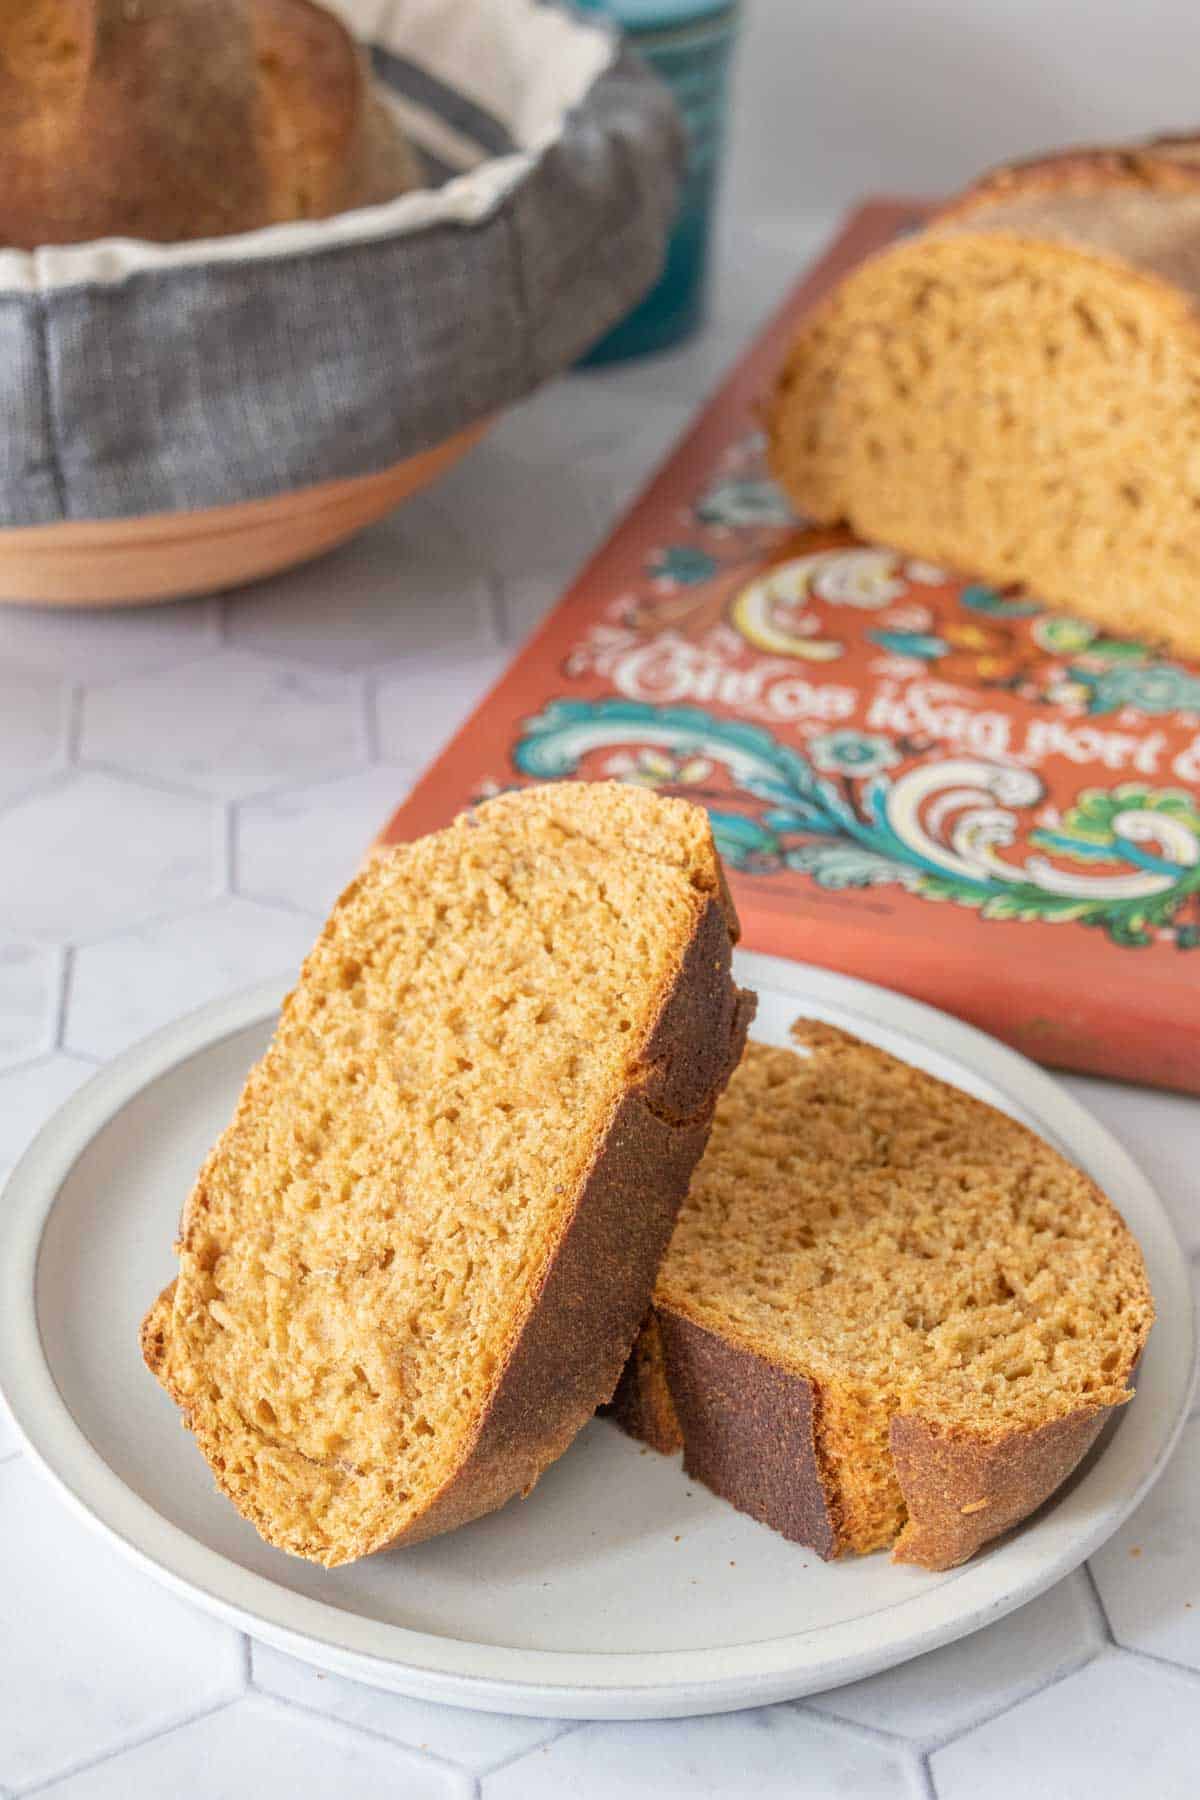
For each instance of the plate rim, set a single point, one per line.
(589, 1684)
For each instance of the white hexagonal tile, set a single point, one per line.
(1118, 1728)
(30, 1094)
(98, 643)
(582, 412)
(98, 852)
(402, 588)
(33, 719)
(473, 1740)
(29, 982)
(129, 985)
(522, 499)
(1148, 1574)
(418, 708)
(255, 1748)
(301, 849)
(617, 476)
(775, 1751)
(526, 598)
(92, 1652)
(1159, 1131)
(942, 1693)
(229, 725)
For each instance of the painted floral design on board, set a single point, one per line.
(956, 828)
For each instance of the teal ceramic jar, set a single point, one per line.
(689, 44)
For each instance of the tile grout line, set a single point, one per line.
(142, 780)
(498, 608)
(370, 717)
(73, 739)
(356, 682)
(161, 1730)
(929, 1747)
(278, 903)
(300, 787)
(1190, 1675)
(37, 786)
(1099, 1609)
(926, 1784)
(912, 1751)
(207, 653)
(288, 1704)
(50, 1055)
(134, 927)
(879, 1735)
(229, 849)
(294, 783)
(568, 1729)
(65, 960)
(311, 669)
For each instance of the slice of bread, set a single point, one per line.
(1013, 390)
(889, 1315)
(415, 1262)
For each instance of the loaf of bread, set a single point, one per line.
(176, 119)
(1015, 390)
(889, 1315)
(415, 1262)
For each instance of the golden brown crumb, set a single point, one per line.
(1013, 392)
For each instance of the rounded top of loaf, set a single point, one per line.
(1169, 163)
(182, 119)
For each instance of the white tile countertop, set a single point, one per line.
(182, 791)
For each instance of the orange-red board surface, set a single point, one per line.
(914, 777)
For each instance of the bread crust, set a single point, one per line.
(581, 1323)
(566, 1354)
(962, 1491)
(748, 1430)
(1168, 162)
(642, 1404)
(184, 119)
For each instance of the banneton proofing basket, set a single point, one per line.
(178, 418)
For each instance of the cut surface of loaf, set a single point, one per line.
(183, 119)
(416, 1260)
(1015, 390)
(889, 1315)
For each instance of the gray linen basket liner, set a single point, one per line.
(137, 378)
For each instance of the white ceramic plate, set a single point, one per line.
(618, 1589)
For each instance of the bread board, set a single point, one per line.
(617, 1590)
(913, 776)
